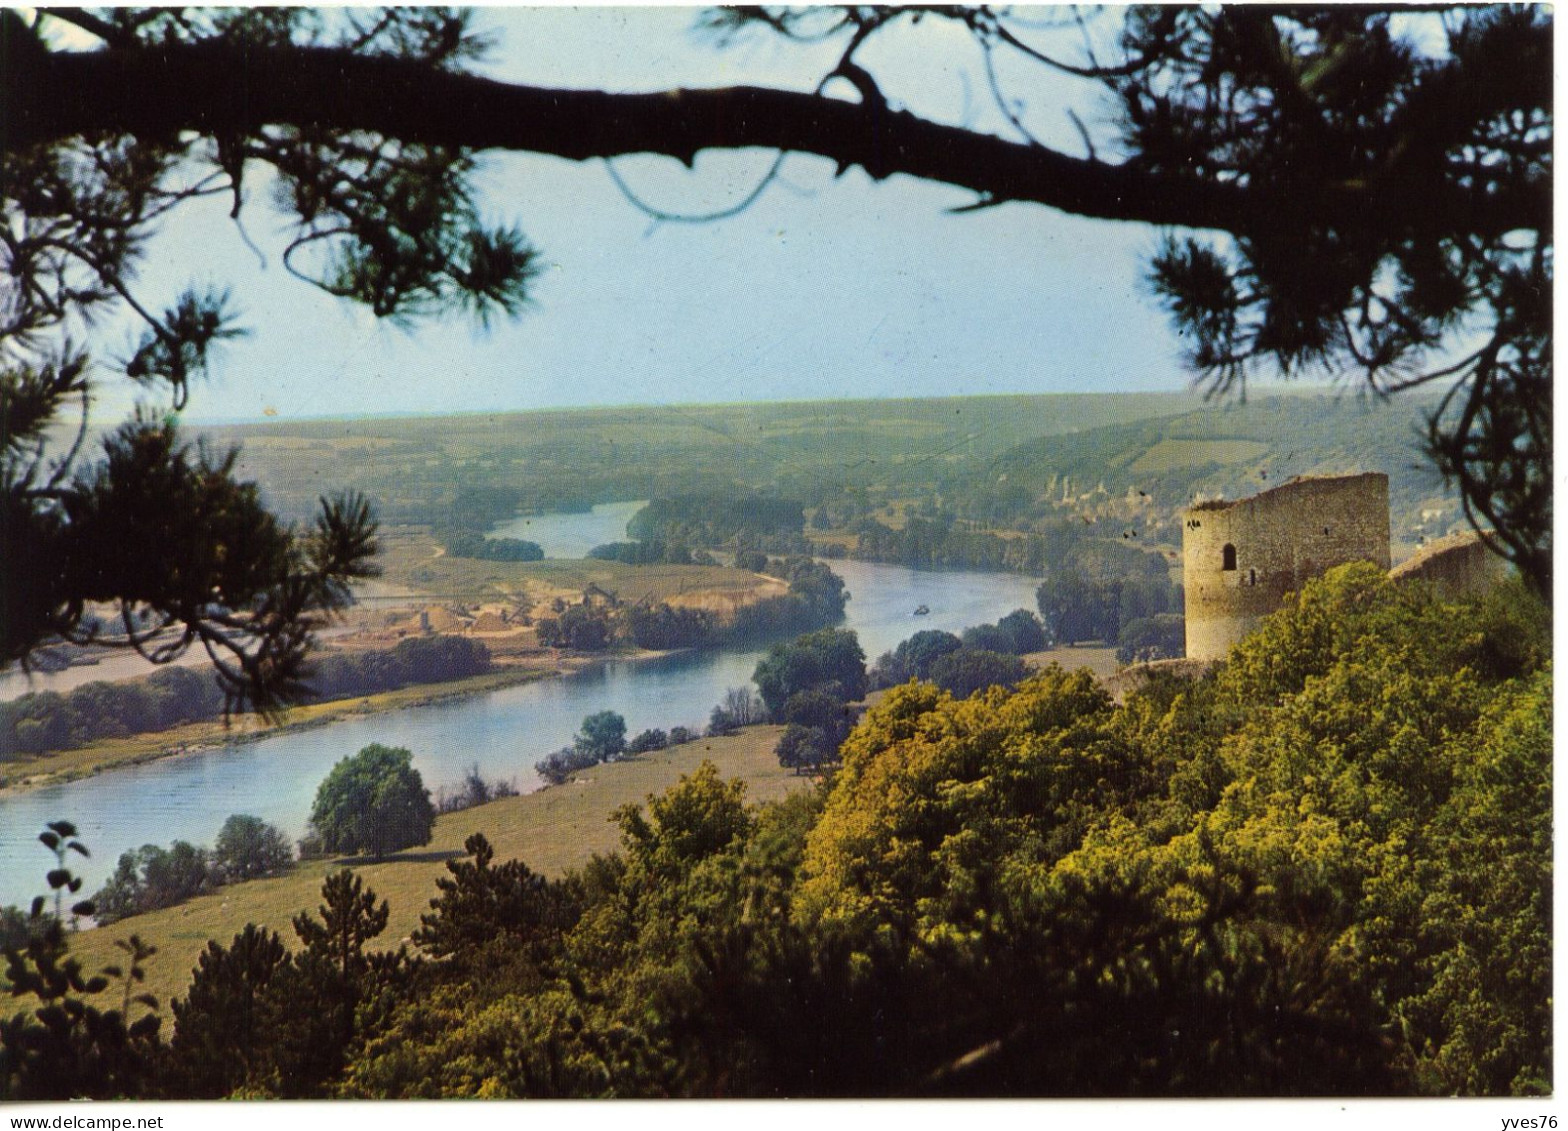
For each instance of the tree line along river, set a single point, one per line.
(505, 732)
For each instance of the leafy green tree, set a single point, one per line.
(817, 708)
(968, 670)
(700, 815)
(545, 1044)
(818, 586)
(1160, 637)
(829, 656)
(1482, 1027)
(176, 875)
(803, 747)
(1028, 634)
(473, 544)
(248, 848)
(375, 803)
(16, 927)
(816, 722)
(1144, 595)
(1375, 788)
(912, 659)
(181, 695)
(1076, 607)
(121, 895)
(647, 741)
(154, 877)
(603, 735)
(556, 768)
(989, 638)
(980, 860)
(580, 627)
(1017, 633)
(660, 626)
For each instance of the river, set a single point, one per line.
(504, 732)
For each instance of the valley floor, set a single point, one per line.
(551, 830)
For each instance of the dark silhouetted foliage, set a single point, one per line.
(912, 659)
(151, 878)
(829, 656)
(63, 1042)
(481, 902)
(1160, 637)
(248, 848)
(967, 670)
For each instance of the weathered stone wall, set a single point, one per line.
(1242, 558)
(1457, 566)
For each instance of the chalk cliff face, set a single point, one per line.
(1242, 558)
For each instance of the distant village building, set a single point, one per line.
(1243, 557)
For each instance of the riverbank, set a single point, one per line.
(65, 766)
(109, 754)
(551, 830)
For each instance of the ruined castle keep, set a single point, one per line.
(1242, 557)
(1455, 567)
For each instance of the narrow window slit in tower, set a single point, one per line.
(1230, 557)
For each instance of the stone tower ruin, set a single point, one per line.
(1242, 557)
(1455, 567)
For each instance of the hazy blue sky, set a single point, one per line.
(825, 288)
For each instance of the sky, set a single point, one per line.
(825, 288)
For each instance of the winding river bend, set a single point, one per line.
(505, 732)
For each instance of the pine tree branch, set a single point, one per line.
(221, 89)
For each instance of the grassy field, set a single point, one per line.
(1169, 455)
(551, 831)
(409, 557)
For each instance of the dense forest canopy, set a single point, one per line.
(1344, 190)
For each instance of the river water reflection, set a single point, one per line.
(505, 732)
